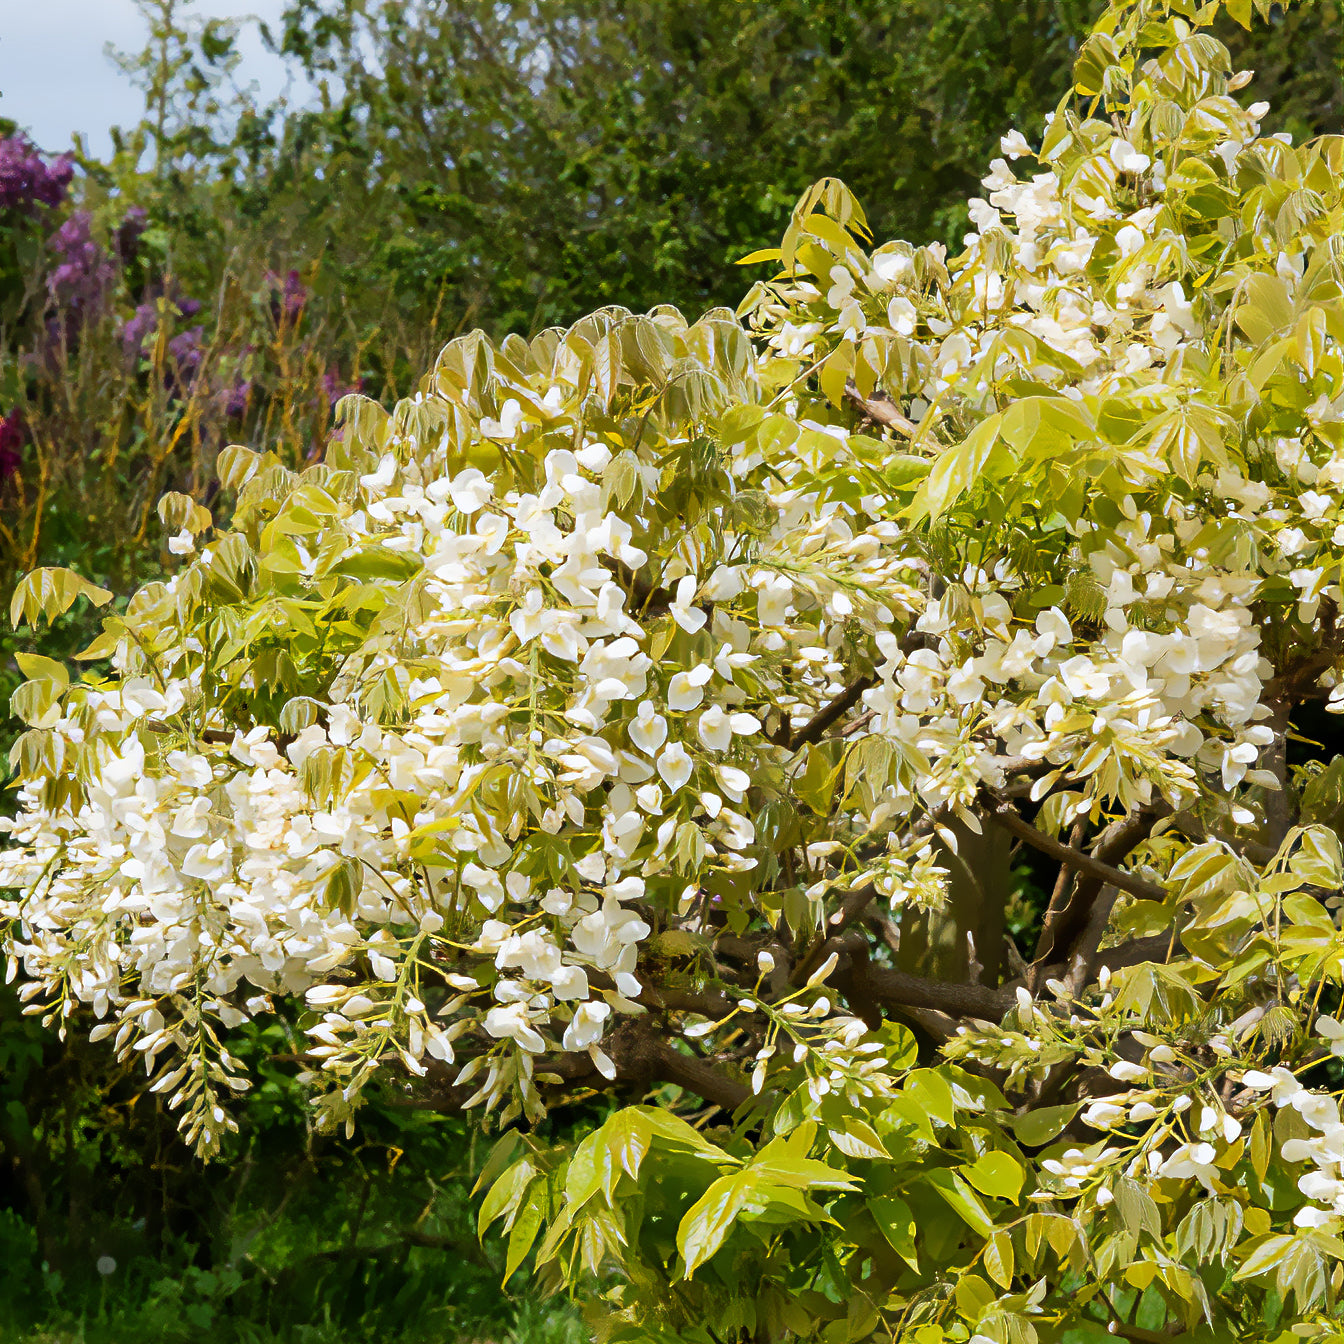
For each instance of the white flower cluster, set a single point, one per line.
(1324, 1149)
(544, 769)
(1175, 681)
(625, 631)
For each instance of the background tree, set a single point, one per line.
(542, 159)
(535, 160)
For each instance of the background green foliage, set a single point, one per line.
(110, 1230)
(509, 165)
(589, 152)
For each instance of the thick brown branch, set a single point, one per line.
(815, 728)
(641, 1059)
(1020, 775)
(1065, 880)
(885, 927)
(1064, 927)
(746, 952)
(864, 984)
(1292, 684)
(851, 908)
(882, 411)
(1005, 816)
(644, 1059)
(939, 1027)
(1083, 944)
(914, 991)
(1157, 947)
(1301, 680)
(707, 1003)
(1031, 768)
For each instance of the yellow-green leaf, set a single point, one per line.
(954, 471)
(997, 1175)
(709, 1220)
(51, 592)
(999, 1259)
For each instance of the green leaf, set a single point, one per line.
(1136, 1207)
(49, 593)
(1317, 859)
(897, 1224)
(1036, 1128)
(425, 844)
(37, 703)
(1046, 423)
(344, 885)
(236, 465)
(998, 1258)
(525, 1228)
(1260, 1145)
(815, 786)
(587, 1172)
(932, 1092)
(377, 562)
(974, 1297)
(1311, 340)
(1266, 1252)
(178, 512)
(784, 1161)
(961, 1199)
(902, 1047)
(676, 1131)
(709, 1220)
(902, 470)
(103, 645)
(858, 1139)
(1267, 307)
(497, 1159)
(908, 1110)
(505, 1194)
(997, 1175)
(954, 471)
(37, 668)
(627, 1135)
(298, 713)
(835, 372)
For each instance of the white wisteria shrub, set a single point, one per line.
(670, 710)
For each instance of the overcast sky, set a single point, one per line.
(56, 80)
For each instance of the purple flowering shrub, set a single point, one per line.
(28, 180)
(120, 380)
(288, 297)
(84, 273)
